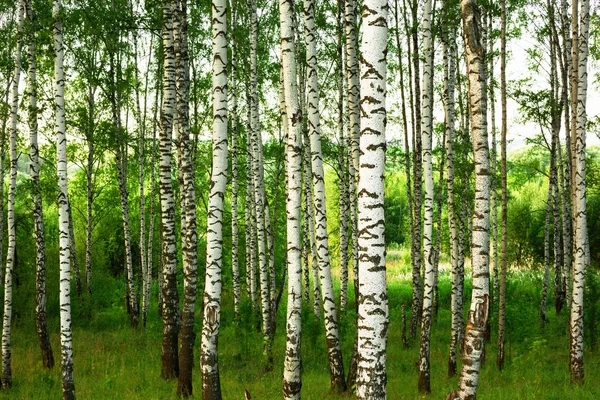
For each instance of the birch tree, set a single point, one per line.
(170, 363)
(234, 165)
(211, 387)
(372, 295)
(449, 50)
(580, 257)
(429, 253)
(478, 312)
(188, 196)
(503, 254)
(292, 373)
(10, 254)
(40, 241)
(66, 334)
(336, 365)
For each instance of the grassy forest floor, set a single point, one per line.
(114, 361)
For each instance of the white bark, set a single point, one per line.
(214, 257)
(292, 380)
(10, 254)
(66, 334)
(428, 253)
(373, 316)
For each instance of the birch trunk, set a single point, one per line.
(141, 165)
(188, 207)
(74, 259)
(418, 285)
(503, 255)
(40, 242)
(259, 192)
(494, 162)
(292, 379)
(66, 334)
(170, 364)
(336, 365)
(429, 253)
(90, 188)
(211, 386)
(10, 255)
(342, 163)
(567, 166)
(234, 167)
(373, 317)
(581, 256)
(449, 40)
(478, 313)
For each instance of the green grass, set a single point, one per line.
(114, 361)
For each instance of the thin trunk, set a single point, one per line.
(74, 259)
(259, 192)
(211, 385)
(34, 168)
(567, 166)
(429, 252)
(342, 163)
(188, 195)
(504, 254)
(234, 168)
(66, 334)
(292, 379)
(581, 256)
(336, 365)
(494, 157)
(170, 363)
(449, 36)
(373, 316)
(150, 240)
(10, 255)
(478, 313)
(141, 164)
(90, 187)
(418, 285)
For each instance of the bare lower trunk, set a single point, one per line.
(170, 313)
(40, 242)
(10, 255)
(66, 334)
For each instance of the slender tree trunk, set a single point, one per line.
(90, 188)
(478, 313)
(170, 363)
(418, 286)
(141, 167)
(581, 256)
(494, 157)
(10, 255)
(336, 365)
(66, 334)
(547, 242)
(150, 240)
(352, 141)
(373, 317)
(211, 386)
(234, 167)
(503, 255)
(34, 168)
(259, 193)
(188, 193)
(292, 380)
(567, 166)
(429, 253)
(74, 259)
(2, 163)
(449, 40)
(342, 163)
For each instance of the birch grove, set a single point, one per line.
(367, 189)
